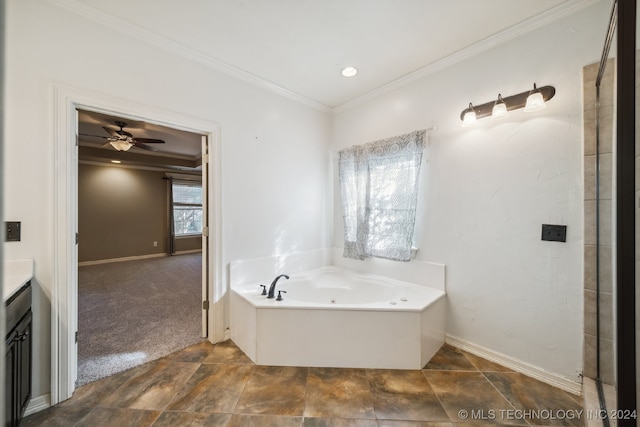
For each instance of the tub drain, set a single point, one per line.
(332, 301)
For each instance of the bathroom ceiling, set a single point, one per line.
(298, 47)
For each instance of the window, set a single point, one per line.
(379, 192)
(187, 208)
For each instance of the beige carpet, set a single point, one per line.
(135, 311)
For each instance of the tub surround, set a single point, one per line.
(298, 332)
(16, 274)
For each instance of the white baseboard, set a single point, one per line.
(227, 334)
(527, 369)
(126, 258)
(134, 258)
(37, 404)
(190, 251)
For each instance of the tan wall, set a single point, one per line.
(121, 212)
(188, 243)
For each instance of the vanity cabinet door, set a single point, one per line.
(10, 359)
(23, 366)
(18, 368)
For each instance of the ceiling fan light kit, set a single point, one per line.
(122, 140)
(121, 145)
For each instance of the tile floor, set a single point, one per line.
(217, 385)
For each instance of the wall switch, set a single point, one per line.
(155, 244)
(554, 233)
(12, 231)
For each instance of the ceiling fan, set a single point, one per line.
(122, 140)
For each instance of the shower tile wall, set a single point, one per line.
(590, 73)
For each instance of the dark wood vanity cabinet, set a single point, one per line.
(18, 358)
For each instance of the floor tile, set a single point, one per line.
(475, 424)
(213, 388)
(227, 352)
(542, 404)
(196, 353)
(241, 420)
(92, 394)
(339, 422)
(56, 417)
(275, 390)
(152, 388)
(338, 393)
(117, 417)
(451, 359)
(394, 423)
(192, 419)
(404, 395)
(230, 390)
(469, 396)
(485, 365)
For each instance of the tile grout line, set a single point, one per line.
(437, 397)
(502, 395)
(493, 385)
(184, 384)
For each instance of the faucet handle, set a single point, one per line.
(280, 296)
(264, 289)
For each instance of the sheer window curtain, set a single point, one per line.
(379, 193)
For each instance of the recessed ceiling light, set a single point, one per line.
(349, 71)
(116, 161)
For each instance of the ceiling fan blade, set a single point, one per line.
(148, 140)
(145, 146)
(111, 132)
(93, 136)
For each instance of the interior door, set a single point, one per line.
(205, 237)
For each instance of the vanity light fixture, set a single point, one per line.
(349, 71)
(533, 100)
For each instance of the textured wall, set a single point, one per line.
(489, 188)
(274, 150)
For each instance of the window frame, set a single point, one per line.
(177, 205)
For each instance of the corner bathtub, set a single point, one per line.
(332, 317)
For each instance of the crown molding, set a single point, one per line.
(126, 27)
(565, 9)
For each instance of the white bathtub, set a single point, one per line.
(332, 317)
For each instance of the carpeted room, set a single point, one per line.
(139, 252)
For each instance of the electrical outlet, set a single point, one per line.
(12, 231)
(155, 244)
(554, 233)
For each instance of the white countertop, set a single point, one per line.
(16, 274)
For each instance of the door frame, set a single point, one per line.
(64, 323)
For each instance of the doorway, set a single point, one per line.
(140, 244)
(65, 253)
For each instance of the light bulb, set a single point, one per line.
(535, 101)
(469, 117)
(499, 109)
